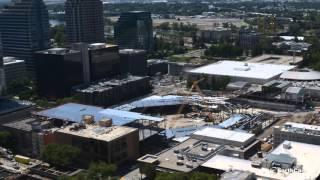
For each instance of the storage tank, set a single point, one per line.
(88, 119)
(105, 122)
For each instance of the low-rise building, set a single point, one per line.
(114, 144)
(200, 147)
(290, 160)
(109, 92)
(296, 132)
(218, 34)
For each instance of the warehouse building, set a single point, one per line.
(257, 73)
(109, 92)
(296, 132)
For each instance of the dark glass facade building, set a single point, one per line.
(104, 61)
(84, 21)
(24, 27)
(133, 61)
(134, 31)
(58, 70)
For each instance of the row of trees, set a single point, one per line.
(224, 50)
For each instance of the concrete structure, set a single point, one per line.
(133, 61)
(301, 156)
(115, 144)
(109, 92)
(24, 29)
(296, 132)
(58, 70)
(134, 30)
(84, 21)
(200, 147)
(295, 94)
(257, 73)
(218, 34)
(14, 69)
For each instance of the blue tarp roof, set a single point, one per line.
(74, 113)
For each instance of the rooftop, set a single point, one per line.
(242, 69)
(306, 155)
(132, 51)
(225, 135)
(301, 128)
(58, 51)
(276, 59)
(302, 75)
(26, 124)
(99, 133)
(11, 60)
(108, 84)
(190, 153)
(75, 112)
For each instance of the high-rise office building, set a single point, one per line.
(58, 70)
(84, 21)
(134, 31)
(24, 27)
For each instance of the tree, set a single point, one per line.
(6, 140)
(101, 170)
(60, 155)
(148, 170)
(96, 171)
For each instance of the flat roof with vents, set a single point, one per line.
(243, 70)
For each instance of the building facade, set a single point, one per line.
(58, 70)
(109, 92)
(84, 21)
(14, 69)
(24, 27)
(133, 61)
(134, 31)
(296, 132)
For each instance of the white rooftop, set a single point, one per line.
(307, 155)
(242, 69)
(224, 134)
(307, 75)
(303, 126)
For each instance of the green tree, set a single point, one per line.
(96, 171)
(60, 155)
(101, 170)
(148, 170)
(6, 140)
